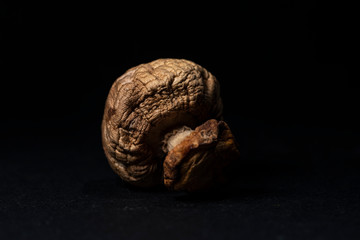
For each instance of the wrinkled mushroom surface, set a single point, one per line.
(150, 110)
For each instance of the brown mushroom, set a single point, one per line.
(162, 125)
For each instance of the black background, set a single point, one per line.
(290, 91)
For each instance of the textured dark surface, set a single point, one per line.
(290, 96)
(62, 187)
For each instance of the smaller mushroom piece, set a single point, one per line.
(197, 162)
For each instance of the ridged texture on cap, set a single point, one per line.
(147, 102)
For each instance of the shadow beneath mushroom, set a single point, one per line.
(115, 187)
(221, 194)
(270, 176)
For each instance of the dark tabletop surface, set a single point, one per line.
(293, 183)
(290, 96)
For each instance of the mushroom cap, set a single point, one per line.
(147, 102)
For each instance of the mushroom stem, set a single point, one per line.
(199, 159)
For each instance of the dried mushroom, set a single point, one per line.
(162, 125)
